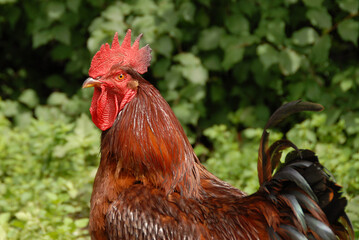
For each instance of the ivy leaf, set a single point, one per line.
(187, 59)
(289, 62)
(41, 38)
(320, 17)
(55, 10)
(29, 98)
(233, 50)
(313, 3)
(195, 74)
(275, 31)
(62, 34)
(73, 5)
(268, 55)
(305, 36)
(186, 113)
(57, 99)
(23, 119)
(192, 68)
(237, 24)
(209, 38)
(320, 50)
(81, 223)
(6, 2)
(83, 124)
(346, 85)
(187, 10)
(213, 62)
(55, 81)
(349, 5)
(160, 67)
(164, 46)
(10, 108)
(349, 30)
(232, 55)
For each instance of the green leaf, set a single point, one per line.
(73, 5)
(185, 112)
(164, 46)
(206, 3)
(160, 67)
(57, 99)
(23, 119)
(49, 113)
(202, 18)
(320, 17)
(196, 74)
(313, 3)
(81, 223)
(4, 218)
(55, 81)
(195, 93)
(29, 98)
(275, 31)
(320, 50)
(191, 68)
(83, 124)
(41, 38)
(349, 30)
(61, 52)
(346, 85)
(213, 62)
(232, 55)
(209, 38)
(200, 149)
(289, 61)
(55, 9)
(233, 49)
(290, 1)
(187, 59)
(351, 6)
(188, 10)
(237, 24)
(62, 34)
(268, 55)
(10, 108)
(23, 216)
(7, 1)
(305, 36)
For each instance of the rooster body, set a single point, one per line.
(151, 185)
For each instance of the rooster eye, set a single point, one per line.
(121, 76)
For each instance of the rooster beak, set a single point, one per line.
(90, 82)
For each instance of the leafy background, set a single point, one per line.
(224, 66)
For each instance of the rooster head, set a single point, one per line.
(113, 74)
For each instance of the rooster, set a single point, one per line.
(151, 185)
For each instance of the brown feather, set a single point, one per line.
(150, 185)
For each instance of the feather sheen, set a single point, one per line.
(151, 185)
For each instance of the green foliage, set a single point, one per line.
(223, 66)
(46, 172)
(236, 151)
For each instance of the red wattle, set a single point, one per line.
(104, 108)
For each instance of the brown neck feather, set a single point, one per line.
(148, 142)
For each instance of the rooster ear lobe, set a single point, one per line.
(132, 84)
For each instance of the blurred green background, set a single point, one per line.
(223, 66)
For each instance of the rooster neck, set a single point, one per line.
(148, 142)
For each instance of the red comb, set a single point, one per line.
(124, 54)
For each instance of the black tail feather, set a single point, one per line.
(303, 185)
(315, 200)
(264, 161)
